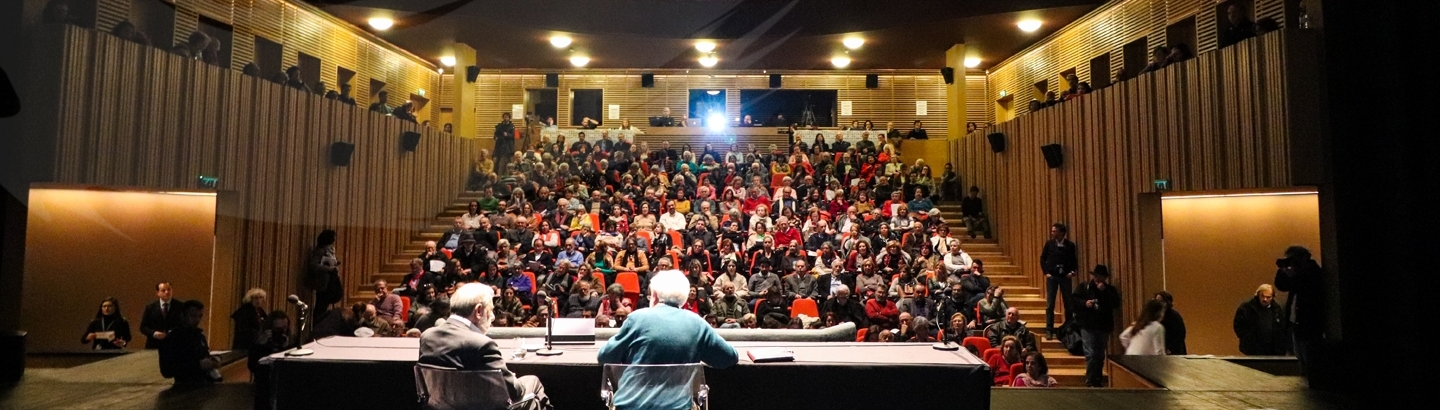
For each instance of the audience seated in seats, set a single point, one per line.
(1260, 325)
(274, 337)
(1037, 373)
(1010, 354)
(1159, 58)
(387, 305)
(845, 308)
(109, 330)
(992, 307)
(1011, 327)
(248, 319)
(1240, 27)
(882, 312)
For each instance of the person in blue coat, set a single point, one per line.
(664, 334)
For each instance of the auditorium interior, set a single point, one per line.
(913, 191)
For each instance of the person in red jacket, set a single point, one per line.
(881, 311)
(784, 233)
(888, 208)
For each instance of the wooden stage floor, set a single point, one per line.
(132, 381)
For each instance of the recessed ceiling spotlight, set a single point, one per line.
(560, 41)
(972, 62)
(381, 23)
(853, 42)
(579, 61)
(840, 61)
(1029, 25)
(448, 61)
(705, 46)
(709, 60)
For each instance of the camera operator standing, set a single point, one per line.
(1059, 260)
(1300, 276)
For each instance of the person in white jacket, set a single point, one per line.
(1146, 337)
(957, 261)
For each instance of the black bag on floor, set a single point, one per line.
(1070, 338)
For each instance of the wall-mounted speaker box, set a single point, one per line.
(410, 140)
(472, 73)
(997, 142)
(552, 80)
(647, 80)
(1054, 155)
(774, 81)
(872, 81)
(949, 74)
(340, 153)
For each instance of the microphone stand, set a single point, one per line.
(549, 349)
(300, 334)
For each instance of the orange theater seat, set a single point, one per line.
(981, 344)
(404, 308)
(989, 353)
(1016, 369)
(630, 281)
(599, 281)
(804, 306)
(448, 253)
(677, 240)
(860, 334)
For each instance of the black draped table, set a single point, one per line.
(374, 373)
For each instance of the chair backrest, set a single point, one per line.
(861, 333)
(981, 344)
(677, 240)
(804, 306)
(989, 353)
(659, 386)
(404, 308)
(630, 281)
(440, 388)
(1016, 369)
(599, 280)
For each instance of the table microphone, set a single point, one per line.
(295, 300)
(549, 349)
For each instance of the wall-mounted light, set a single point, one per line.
(579, 61)
(853, 42)
(560, 41)
(972, 62)
(709, 60)
(448, 61)
(1029, 25)
(381, 23)
(705, 46)
(840, 61)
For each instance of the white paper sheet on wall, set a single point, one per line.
(614, 112)
(517, 112)
(921, 108)
(845, 108)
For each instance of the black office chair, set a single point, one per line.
(621, 381)
(441, 388)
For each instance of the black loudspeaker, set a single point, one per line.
(410, 140)
(774, 81)
(872, 81)
(472, 73)
(552, 80)
(1054, 156)
(340, 153)
(647, 80)
(949, 74)
(997, 142)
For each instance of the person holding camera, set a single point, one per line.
(1300, 276)
(1095, 305)
(1060, 259)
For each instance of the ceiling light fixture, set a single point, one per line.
(709, 60)
(840, 61)
(381, 23)
(705, 46)
(1029, 26)
(560, 41)
(972, 62)
(853, 42)
(579, 61)
(448, 61)
(713, 92)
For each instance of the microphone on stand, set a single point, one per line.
(304, 310)
(549, 349)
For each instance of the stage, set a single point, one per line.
(349, 372)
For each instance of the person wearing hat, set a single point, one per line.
(1094, 303)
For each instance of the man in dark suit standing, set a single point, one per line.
(1059, 261)
(504, 144)
(461, 344)
(161, 316)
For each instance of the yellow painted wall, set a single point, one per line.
(1219, 250)
(84, 245)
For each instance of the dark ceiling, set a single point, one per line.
(752, 34)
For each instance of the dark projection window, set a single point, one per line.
(764, 105)
(1100, 71)
(587, 103)
(1136, 56)
(267, 57)
(310, 72)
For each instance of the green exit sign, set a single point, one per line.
(208, 182)
(1162, 185)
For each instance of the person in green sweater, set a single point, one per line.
(664, 334)
(488, 203)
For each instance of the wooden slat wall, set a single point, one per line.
(1214, 122)
(299, 29)
(1105, 30)
(138, 116)
(978, 107)
(893, 101)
